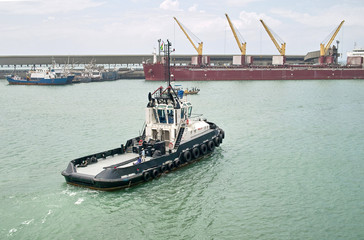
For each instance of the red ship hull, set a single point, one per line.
(157, 72)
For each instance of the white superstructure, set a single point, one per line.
(357, 52)
(166, 118)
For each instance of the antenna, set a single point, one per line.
(168, 63)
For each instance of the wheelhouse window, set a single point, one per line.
(155, 116)
(170, 115)
(189, 111)
(182, 113)
(162, 114)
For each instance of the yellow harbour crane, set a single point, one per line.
(241, 44)
(323, 48)
(281, 48)
(200, 44)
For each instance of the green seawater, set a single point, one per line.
(291, 165)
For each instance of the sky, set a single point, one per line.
(72, 27)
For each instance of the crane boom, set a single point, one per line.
(200, 45)
(242, 46)
(282, 48)
(323, 48)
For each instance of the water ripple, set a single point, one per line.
(290, 166)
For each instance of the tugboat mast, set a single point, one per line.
(168, 69)
(168, 72)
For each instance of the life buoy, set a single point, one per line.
(187, 156)
(146, 176)
(195, 153)
(211, 145)
(170, 145)
(141, 142)
(203, 149)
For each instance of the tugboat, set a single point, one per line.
(172, 138)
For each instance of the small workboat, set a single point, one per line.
(192, 91)
(41, 76)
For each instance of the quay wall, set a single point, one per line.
(128, 60)
(130, 66)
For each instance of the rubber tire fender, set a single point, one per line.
(211, 145)
(176, 163)
(196, 153)
(182, 158)
(155, 173)
(203, 149)
(170, 166)
(217, 141)
(187, 156)
(146, 176)
(163, 169)
(222, 134)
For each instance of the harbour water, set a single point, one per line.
(291, 165)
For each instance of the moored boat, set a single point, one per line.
(192, 91)
(172, 137)
(41, 76)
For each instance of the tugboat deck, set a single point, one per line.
(95, 168)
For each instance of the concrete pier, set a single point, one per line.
(127, 60)
(129, 66)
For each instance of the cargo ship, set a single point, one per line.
(242, 67)
(157, 72)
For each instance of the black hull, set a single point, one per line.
(118, 178)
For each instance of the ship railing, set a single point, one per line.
(142, 131)
(195, 117)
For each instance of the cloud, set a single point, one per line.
(240, 3)
(120, 28)
(39, 7)
(170, 5)
(250, 20)
(50, 18)
(332, 16)
(193, 8)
